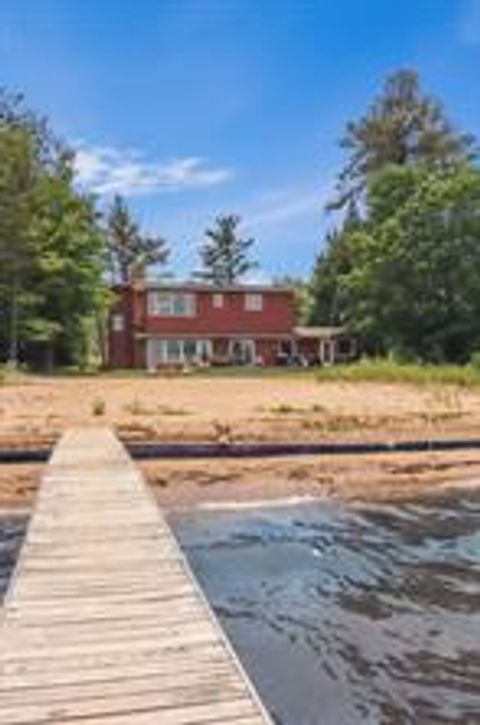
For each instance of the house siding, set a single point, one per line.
(121, 342)
(276, 317)
(219, 324)
(267, 327)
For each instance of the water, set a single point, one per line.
(360, 615)
(11, 535)
(343, 615)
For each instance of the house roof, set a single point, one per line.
(318, 332)
(192, 286)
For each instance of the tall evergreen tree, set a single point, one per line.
(127, 248)
(225, 255)
(403, 126)
(404, 272)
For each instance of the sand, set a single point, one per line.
(283, 408)
(186, 483)
(36, 410)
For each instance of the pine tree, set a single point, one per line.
(127, 248)
(403, 127)
(225, 255)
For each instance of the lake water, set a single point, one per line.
(343, 615)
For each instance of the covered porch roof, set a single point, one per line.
(318, 333)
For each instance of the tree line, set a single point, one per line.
(62, 252)
(400, 268)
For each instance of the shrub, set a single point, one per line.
(475, 360)
(386, 371)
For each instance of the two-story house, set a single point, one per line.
(158, 324)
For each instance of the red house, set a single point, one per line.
(157, 324)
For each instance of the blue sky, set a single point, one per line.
(194, 108)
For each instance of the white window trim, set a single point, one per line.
(162, 304)
(157, 351)
(253, 302)
(118, 322)
(218, 300)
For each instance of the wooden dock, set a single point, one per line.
(103, 621)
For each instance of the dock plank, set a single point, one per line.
(103, 621)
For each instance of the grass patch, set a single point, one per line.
(11, 375)
(386, 371)
(246, 371)
(287, 409)
(168, 410)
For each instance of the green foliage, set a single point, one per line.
(302, 295)
(51, 244)
(405, 274)
(414, 283)
(128, 251)
(225, 255)
(403, 127)
(387, 371)
(328, 304)
(475, 361)
(247, 371)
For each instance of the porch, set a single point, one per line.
(324, 345)
(161, 352)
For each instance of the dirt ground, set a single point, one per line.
(35, 411)
(288, 408)
(186, 483)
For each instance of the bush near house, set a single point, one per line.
(387, 371)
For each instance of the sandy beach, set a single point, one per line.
(185, 483)
(35, 411)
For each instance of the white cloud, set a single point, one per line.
(281, 206)
(470, 23)
(107, 170)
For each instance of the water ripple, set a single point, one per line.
(369, 614)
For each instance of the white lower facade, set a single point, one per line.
(174, 351)
(199, 351)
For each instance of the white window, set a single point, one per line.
(171, 304)
(253, 302)
(118, 323)
(189, 350)
(217, 300)
(204, 351)
(173, 351)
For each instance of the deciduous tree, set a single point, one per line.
(51, 244)
(414, 282)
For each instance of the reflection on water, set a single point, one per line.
(360, 615)
(11, 536)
